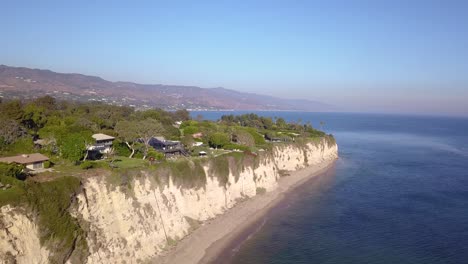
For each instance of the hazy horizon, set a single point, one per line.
(394, 57)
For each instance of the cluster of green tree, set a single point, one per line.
(66, 127)
(222, 135)
(277, 127)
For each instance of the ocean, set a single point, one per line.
(397, 194)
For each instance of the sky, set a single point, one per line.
(371, 56)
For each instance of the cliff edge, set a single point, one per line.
(135, 216)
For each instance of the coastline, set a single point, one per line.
(208, 242)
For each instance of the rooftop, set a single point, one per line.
(100, 136)
(25, 158)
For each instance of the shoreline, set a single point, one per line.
(209, 241)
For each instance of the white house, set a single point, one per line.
(103, 143)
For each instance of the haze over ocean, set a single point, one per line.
(362, 56)
(398, 194)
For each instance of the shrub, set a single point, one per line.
(236, 146)
(191, 130)
(22, 145)
(11, 170)
(121, 149)
(47, 164)
(218, 140)
(155, 154)
(85, 165)
(259, 139)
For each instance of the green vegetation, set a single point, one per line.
(11, 170)
(232, 144)
(50, 201)
(184, 172)
(59, 230)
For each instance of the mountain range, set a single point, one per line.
(26, 83)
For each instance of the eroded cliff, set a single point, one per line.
(133, 216)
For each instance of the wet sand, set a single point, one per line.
(209, 241)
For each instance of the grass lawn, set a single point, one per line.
(127, 163)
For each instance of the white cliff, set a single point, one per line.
(19, 238)
(138, 220)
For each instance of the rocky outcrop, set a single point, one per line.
(137, 219)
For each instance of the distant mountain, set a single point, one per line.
(25, 83)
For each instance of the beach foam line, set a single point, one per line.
(206, 243)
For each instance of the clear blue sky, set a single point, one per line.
(391, 56)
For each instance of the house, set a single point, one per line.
(168, 147)
(33, 161)
(272, 138)
(103, 143)
(198, 135)
(197, 144)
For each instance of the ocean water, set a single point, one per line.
(397, 194)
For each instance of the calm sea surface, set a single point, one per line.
(398, 194)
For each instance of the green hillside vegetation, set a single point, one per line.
(232, 144)
(65, 128)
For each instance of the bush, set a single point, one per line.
(85, 165)
(121, 149)
(218, 140)
(59, 230)
(236, 146)
(47, 164)
(259, 139)
(11, 170)
(190, 130)
(22, 145)
(155, 154)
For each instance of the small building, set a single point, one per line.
(168, 147)
(33, 161)
(198, 135)
(272, 138)
(103, 143)
(197, 144)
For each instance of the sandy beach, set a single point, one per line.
(206, 243)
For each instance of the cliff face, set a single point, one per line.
(19, 237)
(137, 220)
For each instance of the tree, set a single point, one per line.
(218, 140)
(34, 117)
(10, 131)
(144, 130)
(73, 146)
(128, 134)
(188, 141)
(244, 138)
(12, 110)
(281, 123)
(181, 115)
(47, 102)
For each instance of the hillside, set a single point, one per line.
(25, 83)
